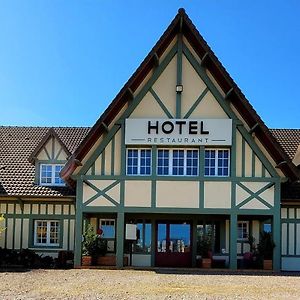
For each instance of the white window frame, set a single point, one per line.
(247, 230)
(216, 161)
(52, 175)
(184, 161)
(139, 161)
(48, 243)
(108, 220)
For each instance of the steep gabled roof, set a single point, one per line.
(50, 134)
(17, 174)
(182, 23)
(289, 139)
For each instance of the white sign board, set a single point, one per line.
(210, 132)
(130, 232)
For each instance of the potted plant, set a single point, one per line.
(204, 249)
(265, 249)
(90, 245)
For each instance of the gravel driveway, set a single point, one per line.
(135, 284)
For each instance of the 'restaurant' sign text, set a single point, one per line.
(178, 132)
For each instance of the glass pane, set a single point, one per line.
(147, 247)
(161, 238)
(163, 162)
(180, 238)
(108, 227)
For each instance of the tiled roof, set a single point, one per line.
(17, 174)
(289, 139)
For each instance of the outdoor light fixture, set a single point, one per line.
(179, 88)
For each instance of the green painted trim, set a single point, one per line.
(196, 103)
(179, 178)
(263, 171)
(112, 157)
(120, 239)
(153, 244)
(78, 224)
(161, 104)
(101, 193)
(6, 221)
(201, 166)
(255, 195)
(233, 242)
(102, 162)
(257, 151)
(14, 228)
(194, 242)
(178, 211)
(179, 75)
(157, 72)
(253, 163)
(202, 74)
(153, 182)
(243, 157)
(93, 169)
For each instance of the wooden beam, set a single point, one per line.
(21, 202)
(155, 59)
(105, 127)
(77, 162)
(254, 128)
(229, 93)
(130, 94)
(278, 166)
(204, 59)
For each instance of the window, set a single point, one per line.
(217, 162)
(108, 229)
(243, 230)
(177, 162)
(49, 174)
(46, 233)
(138, 161)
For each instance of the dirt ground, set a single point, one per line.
(135, 284)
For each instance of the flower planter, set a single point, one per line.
(206, 263)
(86, 261)
(109, 261)
(268, 264)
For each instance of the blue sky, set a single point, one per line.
(62, 62)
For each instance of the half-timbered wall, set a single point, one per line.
(290, 238)
(19, 224)
(252, 187)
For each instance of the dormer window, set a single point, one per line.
(49, 174)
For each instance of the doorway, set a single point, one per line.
(173, 244)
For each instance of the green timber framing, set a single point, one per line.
(273, 179)
(267, 167)
(20, 215)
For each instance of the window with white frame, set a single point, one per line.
(178, 162)
(138, 161)
(49, 174)
(217, 162)
(243, 230)
(108, 232)
(46, 233)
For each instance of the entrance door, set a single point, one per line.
(173, 244)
